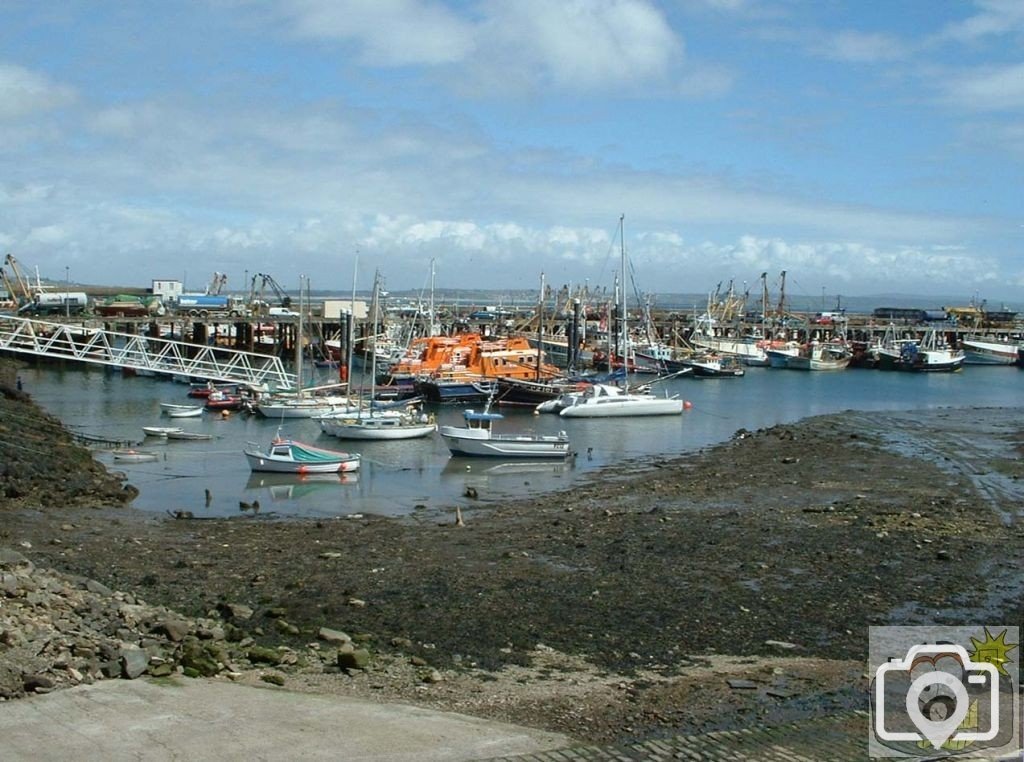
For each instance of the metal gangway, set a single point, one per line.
(146, 353)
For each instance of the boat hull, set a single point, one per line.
(455, 391)
(290, 457)
(747, 350)
(461, 441)
(619, 409)
(530, 393)
(159, 431)
(989, 353)
(810, 363)
(929, 361)
(380, 428)
(135, 456)
(713, 369)
(263, 462)
(778, 358)
(311, 409)
(182, 411)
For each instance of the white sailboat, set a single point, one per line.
(303, 403)
(367, 423)
(605, 400)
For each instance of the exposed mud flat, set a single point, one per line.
(618, 610)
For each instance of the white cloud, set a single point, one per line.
(494, 47)
(46, 235)
(24, 92)
(844, 264)
(387, 32)
(585, 44)
(992, 88)
(994, 18)
(860, 47)
(24, 194)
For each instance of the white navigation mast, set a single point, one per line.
(298, 345)
(625, 331)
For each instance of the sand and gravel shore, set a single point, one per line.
(674, 595)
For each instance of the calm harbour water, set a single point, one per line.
(397, 478)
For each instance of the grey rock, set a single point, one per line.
(274, 678)
(174, 629)
(355, 659)
(11, 559)
(211, 633)
(161, 670)
(38, 683)
(110, 669)
(286, 627)
(738, 684)
(333, 636)
(263, 655)
(134, 662)
(235, 610)
(98, 587)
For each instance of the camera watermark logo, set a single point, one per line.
(943, 691)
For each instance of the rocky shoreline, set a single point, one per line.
(676, 595)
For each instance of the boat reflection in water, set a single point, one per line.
(504, 479)
(284, 487)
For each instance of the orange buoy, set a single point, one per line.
(687, 405)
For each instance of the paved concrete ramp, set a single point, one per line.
(186, 719)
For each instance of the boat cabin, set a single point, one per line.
(281, 448)
(480, 421)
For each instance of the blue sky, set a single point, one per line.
(865, 147)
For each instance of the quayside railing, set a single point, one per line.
(127, 350)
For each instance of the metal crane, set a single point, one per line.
(9, 287)
(22, 292)
(256, 293)
(217, 284)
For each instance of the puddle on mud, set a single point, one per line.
(978, 446)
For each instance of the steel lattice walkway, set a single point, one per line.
(126, 350)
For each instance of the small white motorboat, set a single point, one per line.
(181, 411)
(135, 456)
(160, 431)
(195, 436)
(478, 439)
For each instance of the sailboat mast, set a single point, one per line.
(352, 325)
(764, 297)
(625, 330)
(433, 328)
(298, 344)
(373, 360)
(540, 325)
